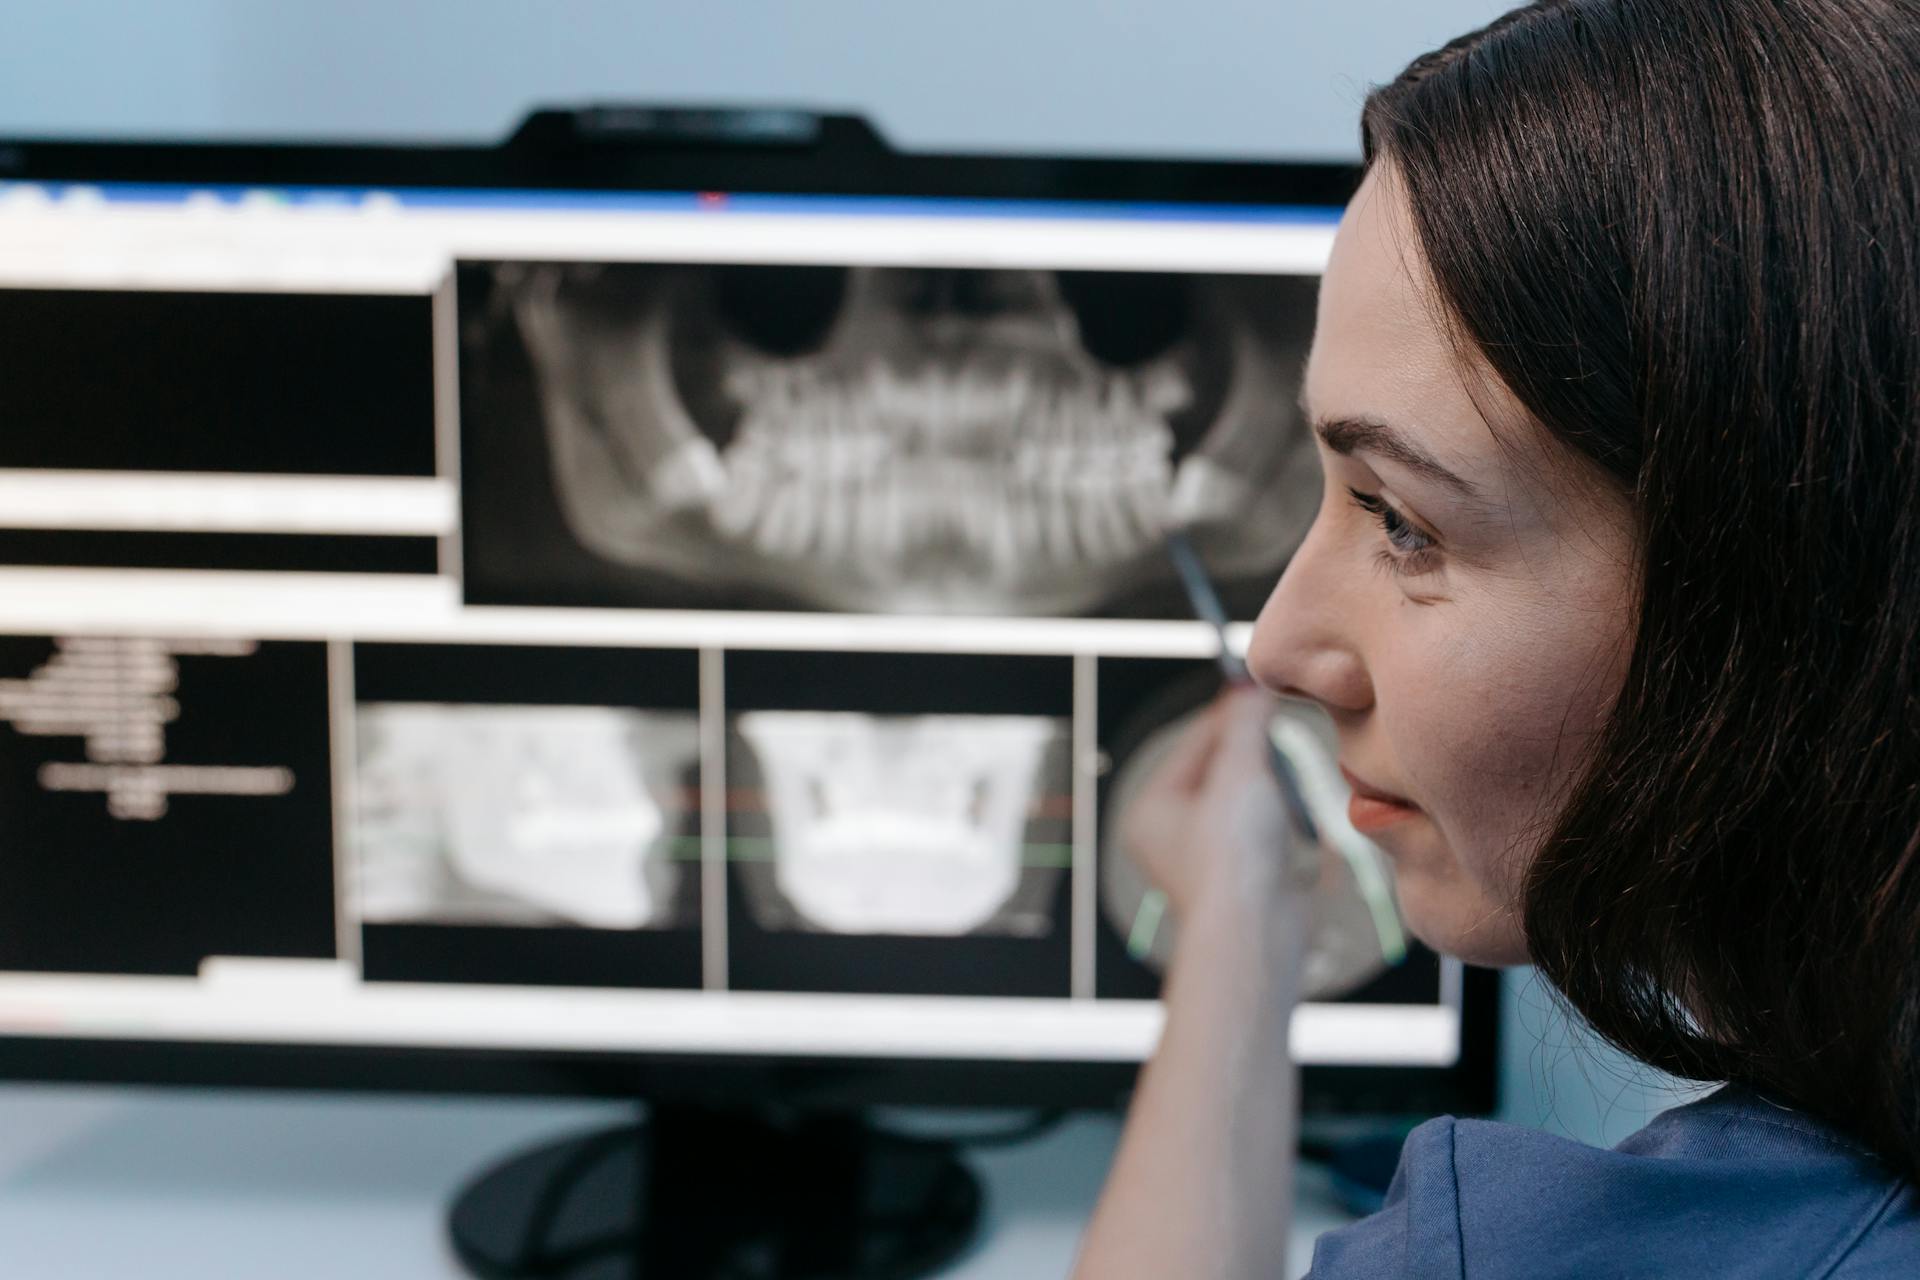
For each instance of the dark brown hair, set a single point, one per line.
(1686, 235)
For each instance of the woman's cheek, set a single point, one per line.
(1472, 715)
(1548, 690)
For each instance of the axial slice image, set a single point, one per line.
(924, 826)
(1356, 932)
(532, 816)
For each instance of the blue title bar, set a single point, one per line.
(536, 201)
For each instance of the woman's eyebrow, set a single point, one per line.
(1349, 435)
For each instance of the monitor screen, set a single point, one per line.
(656, 625)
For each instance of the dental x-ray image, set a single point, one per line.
(899, 823)
(525, 815)
(877, 439)
(932, 826)
(1143, 705)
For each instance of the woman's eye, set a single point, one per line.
(1408, 550)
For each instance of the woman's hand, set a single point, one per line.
(1212, 818)
(1202, 1184)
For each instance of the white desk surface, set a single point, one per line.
(108, 1184)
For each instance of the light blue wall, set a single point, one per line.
(1556, 1075)
(1196, 77)
(1221, 77)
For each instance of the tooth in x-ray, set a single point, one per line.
(901, 825)
(521, 814)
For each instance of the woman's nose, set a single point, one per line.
(1306, 641)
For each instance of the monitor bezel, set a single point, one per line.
(1468, 1087)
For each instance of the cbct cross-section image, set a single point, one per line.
(929, 826)
(525, 815)
(899, 823)
(877, 439)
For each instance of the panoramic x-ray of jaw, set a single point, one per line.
(881, 439)
(908, 825)
(522, 815)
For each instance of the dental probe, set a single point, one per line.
(1206, 603)
(1325, 794)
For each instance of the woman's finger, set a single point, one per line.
(1190, 759)
(1242, 743)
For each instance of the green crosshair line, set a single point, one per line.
(764, 849)
(1146, 923)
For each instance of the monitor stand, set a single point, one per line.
(692, 1192)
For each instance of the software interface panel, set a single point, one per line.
(631, 623)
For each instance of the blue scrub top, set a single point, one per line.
(1731, 1185)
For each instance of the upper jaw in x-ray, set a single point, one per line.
(908, 441)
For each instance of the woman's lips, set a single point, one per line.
(1367, 814)
(1369, 809)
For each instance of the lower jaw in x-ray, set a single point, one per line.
(523, 815)
(909, 825)
(950, 443)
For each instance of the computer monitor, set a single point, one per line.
(665, 606)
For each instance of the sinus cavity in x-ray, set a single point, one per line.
(880, 439)
(932, 826)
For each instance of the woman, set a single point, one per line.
(1614, 598)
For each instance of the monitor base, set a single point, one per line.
(695, 1192)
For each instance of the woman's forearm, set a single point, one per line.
(1202, 1183)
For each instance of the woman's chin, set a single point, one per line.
(1460, 924)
